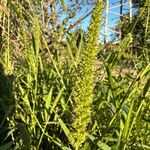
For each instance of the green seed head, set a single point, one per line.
(83, 89)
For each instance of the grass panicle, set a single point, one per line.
(83, 88)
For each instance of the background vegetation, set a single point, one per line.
(61, 89)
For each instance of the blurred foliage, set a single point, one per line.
(140, 33)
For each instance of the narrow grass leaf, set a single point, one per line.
(6, 146)
(126, 128)
(57, 99)
(146, 87)
(103, 145)
(63, 126)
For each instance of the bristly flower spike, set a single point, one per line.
(83, 88)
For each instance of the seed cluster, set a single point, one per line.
(83, 89)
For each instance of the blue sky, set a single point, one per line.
(112, 19)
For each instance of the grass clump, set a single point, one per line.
(52, 93)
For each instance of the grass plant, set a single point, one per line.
(52, 93)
